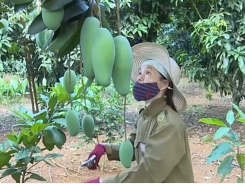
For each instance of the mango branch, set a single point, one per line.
(118, 17)
(91, 8)
(31, 82)
(98, 11)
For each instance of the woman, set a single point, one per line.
(160, 138)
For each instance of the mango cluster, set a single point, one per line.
(105, 58)
(72, 117)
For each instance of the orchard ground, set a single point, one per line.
(67, 168)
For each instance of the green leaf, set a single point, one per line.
(4, 159)
(48, 140)
(212, 121)
(55, 4)
(12, 137)
(220, 150)
(230, 118)
(9, 171)
(241, 120)
(35, 149)
(53, 155)
(4, 9)
(60, 121)
(61, 92)
(240, 180)
(58, 136)
(19, 7)
(41, 115)
(241, 63)
(239, 111)
(225, 166)
(16, 177)
(74, 9)
(49, 163)
(37, 25)
(241, 160)
(52, 102)
(36, 177)
(72, 42)
(221, 132)
(233, 136)
(39, 158)
(22, 154)
(1, 24)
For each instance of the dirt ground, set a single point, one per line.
(67, 169)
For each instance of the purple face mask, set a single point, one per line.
(145, 91)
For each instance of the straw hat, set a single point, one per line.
(152, 51)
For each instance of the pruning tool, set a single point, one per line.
(89, 162)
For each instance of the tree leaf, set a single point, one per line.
(73, 41)
(22, 154)
(53, 155)
(59, 137)
(241, 63)
(54, 4)
(233, 136)
(16, 177)
(60, 121)
(4, 9)
(74, 8)
(220, 150)
(9, 171)
(221, 132)
(4, 159)
(36, 177)
(241, 160)
(37, 25)
(39, 158)
(49, 163)
(19, 7)
(239, 110)
(240, 180)
(225, 166)
(212, 121)
(230, 118)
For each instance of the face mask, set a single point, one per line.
(145, 91)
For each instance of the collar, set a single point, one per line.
(155, 107)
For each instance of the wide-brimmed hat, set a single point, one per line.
(152, 51)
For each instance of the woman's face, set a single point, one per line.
(148, 74)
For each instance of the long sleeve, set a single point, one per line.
(163, 151)
(115, 147)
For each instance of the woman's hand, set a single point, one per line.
(98, 151)
(96, 180)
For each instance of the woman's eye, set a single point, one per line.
(148, 73)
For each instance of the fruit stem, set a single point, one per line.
(92, 8)
(124, 117)
(69, 74)
(118, 17)
(99, 12)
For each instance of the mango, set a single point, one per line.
(69, 80)
(126, 153)
(87, 35)
(52, 19)
(121, 74)
(103, 56)
(72, 122)
(88, 125)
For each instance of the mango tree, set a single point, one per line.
(207, 39)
